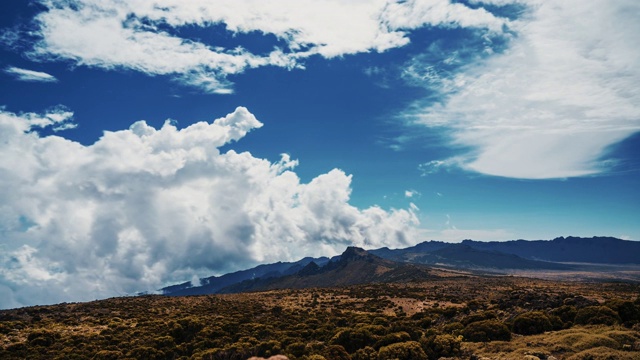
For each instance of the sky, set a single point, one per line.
(149, 142)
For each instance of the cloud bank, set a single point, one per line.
(144, 207)
(552, 103)
(149, 36)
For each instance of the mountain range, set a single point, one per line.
(357, 266)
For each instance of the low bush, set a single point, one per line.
(535, 322)
(353, 339)
(487, 330)
(441, 346)
(485, 315)
(392, 339)
(628, 312)
(336, 352)
(108, 355)
(593, 315)
(409, 350)
(42, 338)
(296, 349)
(366, 353)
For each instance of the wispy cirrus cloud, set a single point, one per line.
(146, 36)
(548, 105)
(143, 207)
(29, 75)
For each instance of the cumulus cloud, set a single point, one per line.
(29, 75)
(143, 207)
(146, 36)
(411, 193)
(552, 102)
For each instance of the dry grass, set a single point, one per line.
(254, 321)
(601, 342)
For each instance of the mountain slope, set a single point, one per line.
(357, 266)
(354, 266)
(465, 256)
(214, 284)
(600, 250)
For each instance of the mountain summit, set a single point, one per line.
(354, 266)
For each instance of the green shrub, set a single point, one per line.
(374, 329)
(441, 346)
(567, 314)
(592, 315)
(475, 305)
(629, 313)
(409, 350)
(146, 352)
(316, 357)
(296, 349)
(336, 352)
(353, 339)
(42, 338)
(392, 338)
(454, 328)
(450, 312)
(535, 322)
(485, 315)
(487, 330)
(268, 348)
(367, 353)
(108, 355)
(211, 354)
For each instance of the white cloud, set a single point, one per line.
(144, 35)
(449, 232)
(411, 193)
(550, 105)
(144, 207)
(414, 14)
(29, 75)
(436, 166)
(59, 118)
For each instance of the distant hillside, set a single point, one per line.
(465, 256)
(213, 284)
(399, 254)
(355, 266)
(600, 250)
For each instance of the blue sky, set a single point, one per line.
(151, 142)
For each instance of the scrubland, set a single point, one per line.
(454, 317)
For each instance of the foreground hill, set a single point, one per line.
(461, 317)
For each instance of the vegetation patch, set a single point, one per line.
(491, 317)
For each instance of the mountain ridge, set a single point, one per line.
(544, 255)
(354, 266)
